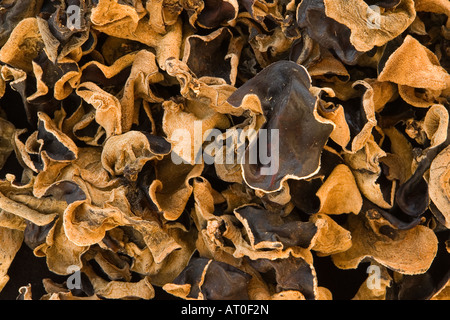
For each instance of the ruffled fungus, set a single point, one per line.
(225, 149)
(281, 93)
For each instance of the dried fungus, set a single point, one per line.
(225, 149)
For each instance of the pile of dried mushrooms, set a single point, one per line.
(95, 92)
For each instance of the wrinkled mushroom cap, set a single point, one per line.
(282, 90)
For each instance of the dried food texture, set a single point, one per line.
(224, 149)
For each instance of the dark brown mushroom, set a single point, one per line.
(268, 230)
(290, 110)
(205, 279)
(326, 31)
(217, 12)
(214, 55)
(290, 274)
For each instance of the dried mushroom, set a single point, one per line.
(210, 280)
(280, 94)
(440, 185)
(405, 251)
(225, 149)
(267, 230)
(326, 31)
(369, 28)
